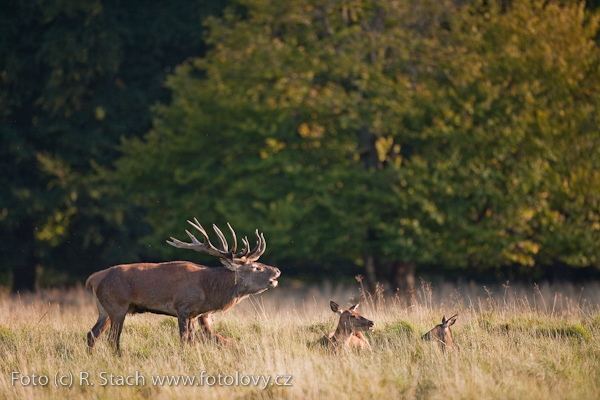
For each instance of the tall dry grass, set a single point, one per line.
(515, 342)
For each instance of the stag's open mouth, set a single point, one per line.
(273, 281)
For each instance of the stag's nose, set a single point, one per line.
(277, 272)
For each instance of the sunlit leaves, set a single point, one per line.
(415, 131)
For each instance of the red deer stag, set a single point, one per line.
(442, 334)
(349, 329)
(180, 288)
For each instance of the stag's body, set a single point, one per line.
(349, 330)
(442, 334)
(179, 288)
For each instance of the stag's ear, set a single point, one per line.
(335, 307)
(354, 307)
(230, 265)
(452, 320)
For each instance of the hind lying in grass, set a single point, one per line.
(442, 334)
(349, 329)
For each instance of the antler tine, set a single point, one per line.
(177, 243)
(182, 245)
(262, 249)
(224, 245)
(193, 238)
(202, 231)
(202, 247)
(234, 246)
(246, 246)
(264, 246)
(241, 256)
(199, 227)
(247, 254)
(256, 252)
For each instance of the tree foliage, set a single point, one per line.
(384, 134)
(75, 77)
(419, 132)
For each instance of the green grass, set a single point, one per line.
(509, 348)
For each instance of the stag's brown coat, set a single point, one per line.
(179, 288)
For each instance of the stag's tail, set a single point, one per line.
(94, 279)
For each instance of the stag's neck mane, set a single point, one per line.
(224, 289)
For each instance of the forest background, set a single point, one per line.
(434, 139)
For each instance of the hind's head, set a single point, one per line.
(350, 320)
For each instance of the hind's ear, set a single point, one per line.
(335, 307)
(452, 320)
(444, 320)
(354, 307)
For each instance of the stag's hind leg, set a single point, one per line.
(97, 330)
(99, 327)
(116, 308)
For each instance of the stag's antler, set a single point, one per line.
(254, 254)
(229, 256)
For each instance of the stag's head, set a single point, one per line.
(251, 277)
(350, 320)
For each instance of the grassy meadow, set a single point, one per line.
(515, 342)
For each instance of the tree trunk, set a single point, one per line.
(368, 151)
(403, 280)
(24, 274)
(370, 271)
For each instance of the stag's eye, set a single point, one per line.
(257, 269)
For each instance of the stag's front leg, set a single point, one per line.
(116, 327)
